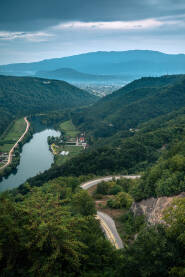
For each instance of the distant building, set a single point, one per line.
(64, 153)
(82, 139)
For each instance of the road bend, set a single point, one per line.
(107, 223)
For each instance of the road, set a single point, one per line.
(107, 223)
(110, 230)
(16, 144)
(90, 184)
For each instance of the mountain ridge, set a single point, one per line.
(132, 62)
(70, 74)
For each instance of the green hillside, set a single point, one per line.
(125, 155)
(23, 96)
(132, 105)
(132, 151)
(52, 231)
(48, 225)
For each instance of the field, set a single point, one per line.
(73, 151)
(70, 134)
(69, 129)
(15, 132)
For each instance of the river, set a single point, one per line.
(35, 158)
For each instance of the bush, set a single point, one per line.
(102, 188)
(132, 224)
(121, 200)
(115, 189)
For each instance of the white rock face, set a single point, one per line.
(153, 208)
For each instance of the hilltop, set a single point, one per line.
(36, 95)
(72, 75)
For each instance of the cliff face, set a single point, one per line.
(153, 208)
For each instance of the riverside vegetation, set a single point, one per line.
(8, 140)
(47, 225)
(32, 96)
(66, 142)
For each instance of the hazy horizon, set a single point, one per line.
(83, 53)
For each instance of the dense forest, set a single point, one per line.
(156, 146)
(51, 231)
(127, 108)
(34, 95)
(48, 225)
(159, 140)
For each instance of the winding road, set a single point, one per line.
(16, 144)
(107, 223)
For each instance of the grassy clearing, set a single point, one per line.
(73, 151)
(13, 135)
(69, 129)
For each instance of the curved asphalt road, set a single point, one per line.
(106, 221)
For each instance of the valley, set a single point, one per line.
(92, 138)
(88, 164)
(100, 89)
(35, 158)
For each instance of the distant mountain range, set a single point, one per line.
(72, 75)
(127, 64)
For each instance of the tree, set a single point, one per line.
(149, 256)
(102, 188)
(174, 216)
(83, 204)
(121, 200)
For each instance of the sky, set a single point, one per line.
(32, 30)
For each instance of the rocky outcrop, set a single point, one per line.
(153, 208)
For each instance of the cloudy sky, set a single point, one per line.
(32, 30)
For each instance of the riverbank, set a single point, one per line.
(35, 158)
(13, 157)
(70, 144)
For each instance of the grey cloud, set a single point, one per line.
(28, 27)
(23, 15)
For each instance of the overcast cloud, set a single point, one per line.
(40, 29)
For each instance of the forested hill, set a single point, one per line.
(71, 75)
(132, 105)
(48, 225)
(161, 139)
(24, 95)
